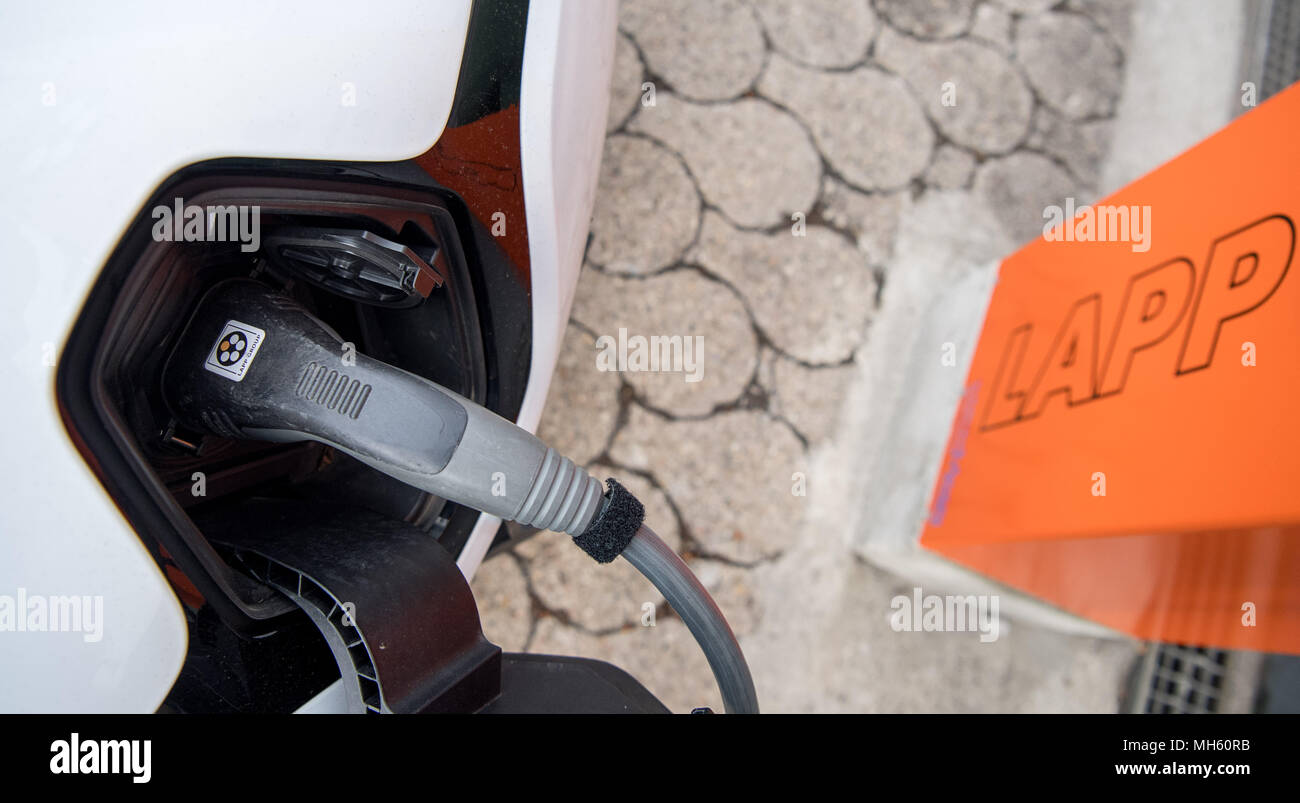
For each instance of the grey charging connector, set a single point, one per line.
(257, 365)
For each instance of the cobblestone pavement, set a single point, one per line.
(759, 159)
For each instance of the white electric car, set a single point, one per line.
(420, 176)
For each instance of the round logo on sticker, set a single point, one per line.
(231, 348)
(234, 350)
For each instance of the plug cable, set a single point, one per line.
(619, 529)
(689, 598)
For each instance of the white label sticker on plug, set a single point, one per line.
(234, 350)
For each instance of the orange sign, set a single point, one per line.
(1129, 443)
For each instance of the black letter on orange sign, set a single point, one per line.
(1071, 367)
(1153, 305)
(1006, 396)
(1243, 269)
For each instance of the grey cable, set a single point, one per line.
(689, 598)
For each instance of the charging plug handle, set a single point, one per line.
(255, 364)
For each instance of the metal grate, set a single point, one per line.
(1282, 53)
(1175, 679)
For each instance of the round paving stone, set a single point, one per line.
(871, 217)
(733, 477)
(812, 295)
(866, 123)
(928, 19)
(820, 33)
(695, 328)
(1026, 6)
(1018, 188)
(646, 211)
(951, 168)
(752, 160)
(1073, 66)
(705, 51)
(809, 398)
(972, 92)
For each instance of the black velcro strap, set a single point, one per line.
(612, 529)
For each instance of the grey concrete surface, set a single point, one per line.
(803, 196)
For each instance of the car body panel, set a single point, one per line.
(103, 104)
